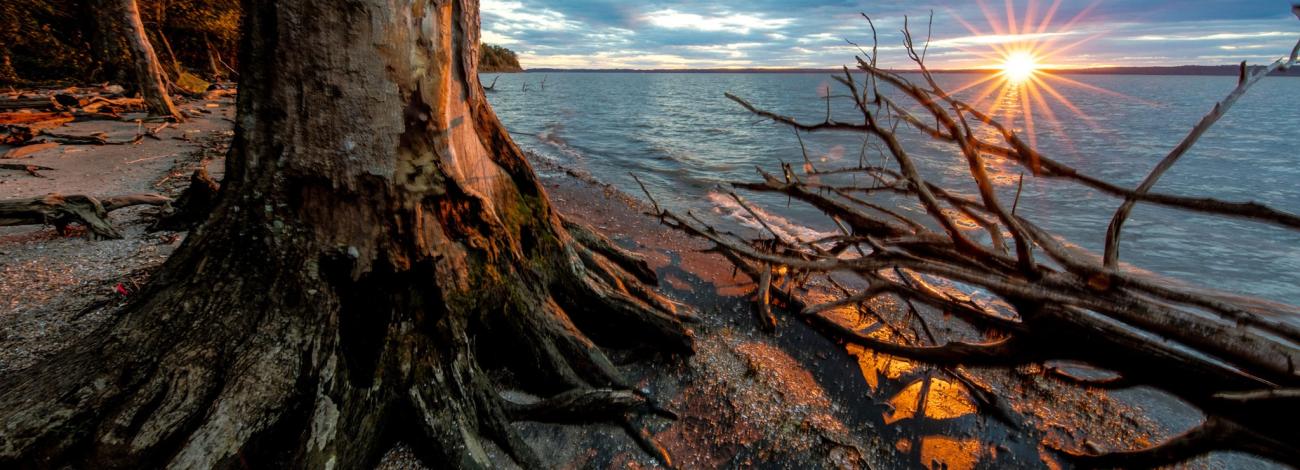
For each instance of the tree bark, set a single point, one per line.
(379, 243)
(122, 38)
(214, 65)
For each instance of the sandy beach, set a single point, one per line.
(746, 398)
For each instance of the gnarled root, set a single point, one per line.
(331, 372)
(592, 240)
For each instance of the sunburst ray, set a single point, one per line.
(1025, 46)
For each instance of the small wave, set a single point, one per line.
(551, 134)
(537, 155)
(728, 207)
(551, 137)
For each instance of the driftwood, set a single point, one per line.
(98, 104)
(30, 169)
(41, 103)
(21, 128)
(1233, 357)
(27, 150)
(61, 211)
(97, 138)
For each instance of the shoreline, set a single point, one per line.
(1168, 71)
(834, 406)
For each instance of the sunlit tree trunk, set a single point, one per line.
(379, 242)
(124, 46)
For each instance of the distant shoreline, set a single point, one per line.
(1179, 70)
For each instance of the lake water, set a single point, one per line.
(683, 138)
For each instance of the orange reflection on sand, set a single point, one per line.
(942, 400)
(949, 452)
(874, 365)
(904, 445)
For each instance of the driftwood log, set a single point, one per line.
(1234, 358)
(21, 128)
(61, 211)
(30, 169)
(41, 103)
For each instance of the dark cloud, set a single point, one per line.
(808, 33)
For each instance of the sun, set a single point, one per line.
(1023, 51)
(1019, 66)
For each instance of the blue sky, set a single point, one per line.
(808, 33)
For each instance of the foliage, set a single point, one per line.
(194, 28)
(56, 40)
(494, 58)
(43, 39)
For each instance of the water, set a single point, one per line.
(683, 138)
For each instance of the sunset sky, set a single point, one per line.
(810, 33)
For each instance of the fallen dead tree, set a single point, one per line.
(62, 211)
(1232, 357)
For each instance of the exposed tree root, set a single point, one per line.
(193, 206)
(228, 380)
(580, 406)
(632, 262)
(334, 303)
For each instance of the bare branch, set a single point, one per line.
(1220, 109)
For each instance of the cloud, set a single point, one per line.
(812, 33)
(738, 22)
(513, 16)
(991, 39)
(1213, 37)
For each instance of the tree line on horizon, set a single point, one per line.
(494, 58)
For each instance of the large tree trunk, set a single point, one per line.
(121, 38)
(380, 242)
